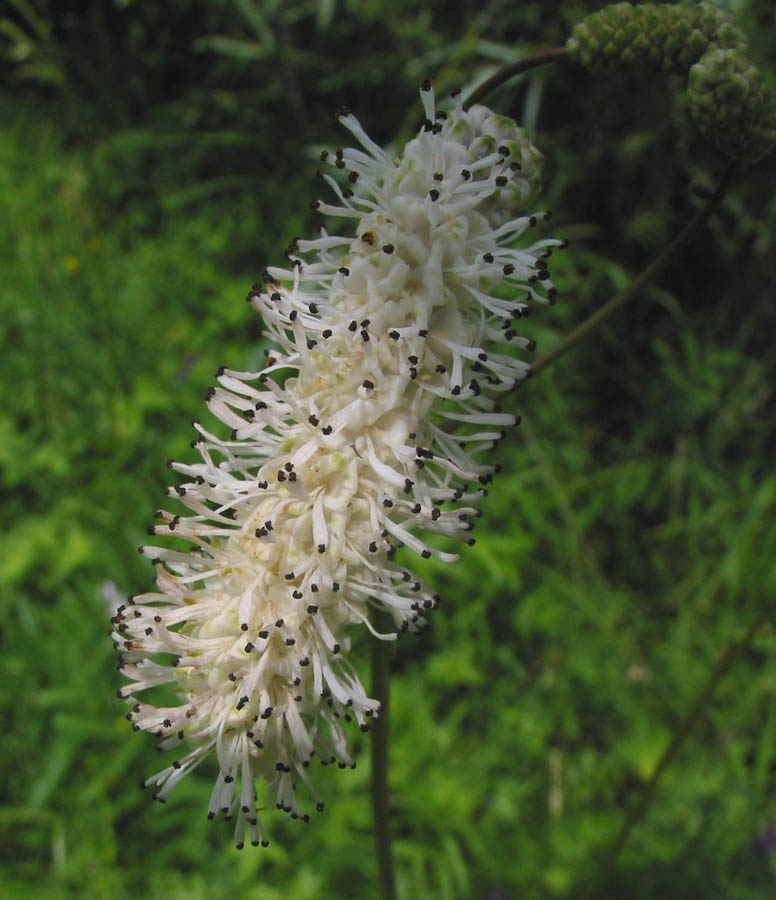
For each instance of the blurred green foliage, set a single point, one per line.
(154, 157)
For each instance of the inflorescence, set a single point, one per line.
(361, 435)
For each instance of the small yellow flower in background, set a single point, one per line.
(94, 245)
(72, 264)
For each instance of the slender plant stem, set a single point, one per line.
(381, 650)
(634, 287)
(729, 655)
(504, 74)
(731, 652)
(382, 653)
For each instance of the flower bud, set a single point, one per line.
(653, 37)
(732, 105)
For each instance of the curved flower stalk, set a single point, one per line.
(360, 435)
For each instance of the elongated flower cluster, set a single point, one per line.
(358, 437)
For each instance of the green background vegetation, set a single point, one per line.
(153, 157)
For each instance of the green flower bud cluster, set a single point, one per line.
(727, 96)
(732, 105)
(655, 37)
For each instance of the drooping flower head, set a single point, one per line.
(361, 435)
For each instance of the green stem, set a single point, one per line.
(634, 287)
(504, 74)
(729, 655)
(381, 675)
(732, 651)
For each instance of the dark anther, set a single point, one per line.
(434, 194)
(388, 248)
(353, 325)
(438, 176)
(501, 180)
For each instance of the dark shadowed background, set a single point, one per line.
(154, 156)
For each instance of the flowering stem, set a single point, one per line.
(646, 275)
(729, 655)
(381, 674)
(516, 68)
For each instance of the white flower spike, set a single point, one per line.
(360, 434)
